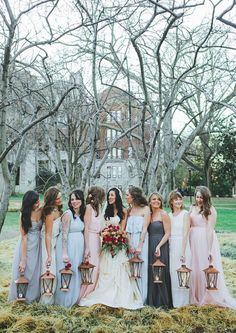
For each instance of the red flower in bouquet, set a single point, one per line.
(114, 240)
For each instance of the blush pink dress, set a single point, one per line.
(95, 227)
(199, 250)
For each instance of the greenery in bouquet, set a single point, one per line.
(114, 240)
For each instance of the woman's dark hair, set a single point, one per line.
(206, 195)
(95, 197)
(79, 195)
(109, 212)
(137, 195)
(28, 201)
(49, 202)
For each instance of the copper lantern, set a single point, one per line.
(66, 275)
(86, 270)
(135, 266)
(158, 270)
(211, 277)
(47, 280)
(21, 287)
(183, 275)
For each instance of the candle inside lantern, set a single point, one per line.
(20, 295)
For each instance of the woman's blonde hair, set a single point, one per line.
(158, 196)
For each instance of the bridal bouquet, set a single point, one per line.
(114, 240)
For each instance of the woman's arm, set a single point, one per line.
(87, 220)
(23, 259)
(167, 228)
(147, 219)
(48, 237)
(186, 228)
(65, 223)
(211, 222)
(124, 220)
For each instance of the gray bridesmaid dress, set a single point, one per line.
(159, 294)
(33, 264)
(75, 249)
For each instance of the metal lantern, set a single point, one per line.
(21, 287)
(86, 270)
(211, 277)
(135, 266)
(183, 275)
(47, 282)
(66, 275)
(157, 271)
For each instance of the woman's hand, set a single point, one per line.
(65, 258)
(158, 252)
(48, 261)
(210, 258)
(22, 266)
(138, 250)
(86, 254)
(131, 250)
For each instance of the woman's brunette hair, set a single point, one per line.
(206, 195)
(29, 199)
(79, 195)
(50, 197)
(95, 197)
(109, 212)
(137, 195)
(173, 196)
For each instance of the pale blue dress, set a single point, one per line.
(134, 229)
(33, 264)
(75, 250)
(46, 299)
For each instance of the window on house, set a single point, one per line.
(114, 172)
(119, 171)
(108, 172)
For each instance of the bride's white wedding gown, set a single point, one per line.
(114, 288)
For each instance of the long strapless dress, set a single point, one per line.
(46, 299)
(199, 250)
(114, 287)
(95, 227)
(75, 249)
(159, 294)
(33, 264)
(134, 229)
(180, 295)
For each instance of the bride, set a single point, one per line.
(114, 288)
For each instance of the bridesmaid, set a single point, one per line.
(27, 258)
(92, 228)
(70, 248)
(51, 216)
(136, 227)
(205, 250)
(179, 246)
(159, 294)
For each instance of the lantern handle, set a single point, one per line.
(210, 258)
(183, 259)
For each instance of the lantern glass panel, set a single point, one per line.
(65, 281)
(135, 269)
(183, 279)
(47, 286)
(211, 280)
(86, 275)
(157, 272)
(21, 290)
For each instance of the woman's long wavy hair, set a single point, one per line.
(29, 199)
(159, 197)
(79, 195)
(206, 195)
(109, 212)
(137, 195)
(173, 196)
(49, 202)
(95, 197)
